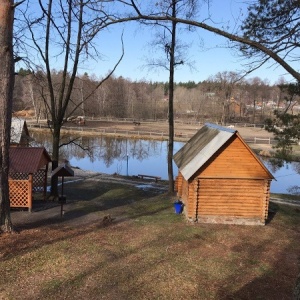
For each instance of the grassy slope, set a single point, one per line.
(146, 252)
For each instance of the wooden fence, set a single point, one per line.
(263, 140)
(20, 193)
(143, 134)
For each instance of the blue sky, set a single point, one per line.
(206, 50)
(207, 62)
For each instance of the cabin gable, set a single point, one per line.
(233, 160)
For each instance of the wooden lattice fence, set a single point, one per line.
(23, 185)
(20, 193)
(38, 179)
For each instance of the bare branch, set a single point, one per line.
(230, 36)
(17, 4)
(73, 141)
(104, 79)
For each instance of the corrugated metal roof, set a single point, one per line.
(196, 152)
(27, 159)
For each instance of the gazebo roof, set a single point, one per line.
(63, 170)
(27, 159)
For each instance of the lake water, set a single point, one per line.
(144, 157)
(132, 157)
(287, 177)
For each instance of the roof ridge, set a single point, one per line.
(219, 127)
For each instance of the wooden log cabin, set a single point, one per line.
(221, 180)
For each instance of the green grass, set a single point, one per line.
(148, 252)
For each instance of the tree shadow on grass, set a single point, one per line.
(82, 199)
(82, 215)
(278, 282)
(278, 269)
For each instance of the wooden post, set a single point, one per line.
(265, 204)
(196, 197)
(62, 197)
(30, 186)
(45, 182)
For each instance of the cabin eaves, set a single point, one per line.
(203, 145)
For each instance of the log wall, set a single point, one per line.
(243, 198)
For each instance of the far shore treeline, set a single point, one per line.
(220, 98)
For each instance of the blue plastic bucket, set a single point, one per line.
(178, 207)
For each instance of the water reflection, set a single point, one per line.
(131, 157)
(287, 177)
(116, 155)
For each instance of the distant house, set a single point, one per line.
(19, 133)
(235, 109)
(221, 180)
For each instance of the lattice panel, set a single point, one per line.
(39, 178)
(18, 193)
(19, 176)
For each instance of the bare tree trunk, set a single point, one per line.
(34, 104)
(223, 117)
(6, 95)
(55, 157)
(254, 110)
(171, 101)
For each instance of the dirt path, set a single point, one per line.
(81, 190)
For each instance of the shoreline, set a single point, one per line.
(81, 174)
(121, 130)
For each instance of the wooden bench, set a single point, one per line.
(149, 176)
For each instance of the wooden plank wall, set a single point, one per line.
(235, 161)
(267, 187)
(186, 194)
(233, 197)
(194, 191)
(178, 184)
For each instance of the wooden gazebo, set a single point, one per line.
(28, 168)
